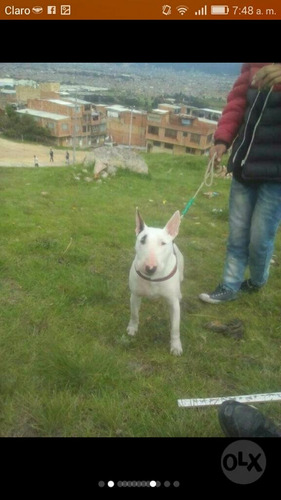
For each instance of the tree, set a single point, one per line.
(16, 126)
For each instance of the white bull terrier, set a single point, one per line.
(157, 270)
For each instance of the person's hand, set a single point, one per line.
(219, 150)
(267, 76)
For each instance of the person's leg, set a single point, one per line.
(265, 222)
(242, 202)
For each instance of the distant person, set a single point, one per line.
(51, 155)
(251, 124)
(36, 161)
(67, 157)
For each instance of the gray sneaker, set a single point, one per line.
(221, 294)
(249, 286)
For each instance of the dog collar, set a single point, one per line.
(157, 280)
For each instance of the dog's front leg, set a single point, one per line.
(135, 302)
(176, 347)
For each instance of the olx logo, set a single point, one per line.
(243, 462)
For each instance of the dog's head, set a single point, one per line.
(154, 246)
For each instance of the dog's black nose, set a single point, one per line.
(150, 270)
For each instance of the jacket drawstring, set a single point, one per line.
(255, 128)
(257, 123)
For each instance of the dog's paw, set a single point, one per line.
(176, 349)
(132, 330)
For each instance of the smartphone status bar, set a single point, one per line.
(139, 10)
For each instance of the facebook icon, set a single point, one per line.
(51, 9)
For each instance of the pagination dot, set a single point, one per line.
(110, 484)
(139, 484)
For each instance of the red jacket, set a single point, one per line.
(233, 113)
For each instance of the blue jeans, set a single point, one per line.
(254, 217)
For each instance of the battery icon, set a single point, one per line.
(219, 10)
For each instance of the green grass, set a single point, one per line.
(68, 368)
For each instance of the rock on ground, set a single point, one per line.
(107, 159)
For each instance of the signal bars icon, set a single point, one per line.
(201, 12)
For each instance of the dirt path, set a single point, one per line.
(19, 154)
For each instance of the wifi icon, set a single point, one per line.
(182, 9)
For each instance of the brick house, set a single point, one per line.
(126, 126)
(171, 130)
(68, 120)
(43, 90)
(59, 125)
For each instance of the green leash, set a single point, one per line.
(207, 181)
(187, 206)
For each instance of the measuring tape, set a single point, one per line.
(250, 398)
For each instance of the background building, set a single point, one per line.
(126, 126)
(68, 120)
(172, 127)
(172, 130)
(44, 90)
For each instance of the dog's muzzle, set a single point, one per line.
(150, 270)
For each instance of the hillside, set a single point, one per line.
(20, 154)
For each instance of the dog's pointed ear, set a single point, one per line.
(172, 226)
(140, 225)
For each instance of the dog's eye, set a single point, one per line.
(163, 243)
(143, 239)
